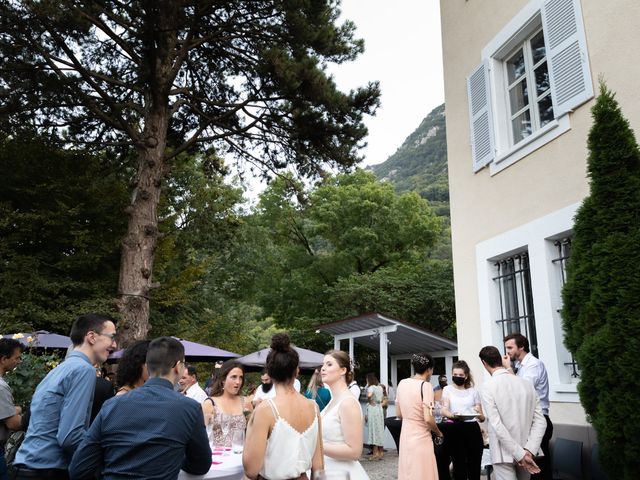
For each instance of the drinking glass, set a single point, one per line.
(237, 441)
(225, 426)
(331, 475)
(437, 411)
(210, 430)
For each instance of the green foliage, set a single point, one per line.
(601, 310)
(61, 222)
(348, 246)
(26, 377)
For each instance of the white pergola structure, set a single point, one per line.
(392, 338)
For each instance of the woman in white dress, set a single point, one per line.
(284, 438)
(342, 422)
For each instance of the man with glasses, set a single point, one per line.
(152, 431)
(61, 405)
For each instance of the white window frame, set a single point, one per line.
(537, 238)
(522, 26)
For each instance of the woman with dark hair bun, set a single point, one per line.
(342, 422)
(414, 404)
(132, 367)
(226, 406)
(284, 435)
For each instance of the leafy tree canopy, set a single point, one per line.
(60, 228)
(349, 234)
(159, 77)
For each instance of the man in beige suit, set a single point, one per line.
(516, 423)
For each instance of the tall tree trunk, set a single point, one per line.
(139, 243)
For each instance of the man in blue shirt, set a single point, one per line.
(61, 405)
(149, 433)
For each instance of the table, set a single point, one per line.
(229, 469)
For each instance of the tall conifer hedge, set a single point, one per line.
(601, 311)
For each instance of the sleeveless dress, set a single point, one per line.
(416, 457)
(332, 433)
(236, 421)
(375, 417)
(289, 452)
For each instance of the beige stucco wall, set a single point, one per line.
(554, 176)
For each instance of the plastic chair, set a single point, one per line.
(596, 468)
(566, 459)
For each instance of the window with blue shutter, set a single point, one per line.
(482, 145)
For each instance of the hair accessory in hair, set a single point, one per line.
(421, 360)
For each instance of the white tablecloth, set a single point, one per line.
(229, 469)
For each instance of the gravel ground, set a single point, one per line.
(385, 469)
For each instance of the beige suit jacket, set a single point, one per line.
(515, 418)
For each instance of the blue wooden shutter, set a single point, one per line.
(482, 143)
(569, 70)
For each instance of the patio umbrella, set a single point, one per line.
(308, 358)
(42, 339)
(194, 352)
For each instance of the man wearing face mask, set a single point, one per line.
(437, 391)
(164, 430)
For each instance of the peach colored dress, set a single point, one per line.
(417, 459)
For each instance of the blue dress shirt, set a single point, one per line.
(60, 413)
(149, 433)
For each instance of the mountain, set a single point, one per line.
(420, 164)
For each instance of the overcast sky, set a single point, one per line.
(403, 50)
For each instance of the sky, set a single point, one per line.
(403, 51)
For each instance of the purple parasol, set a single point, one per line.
(194, 352)
(308, 358)
(42, 339)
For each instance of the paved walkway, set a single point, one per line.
(385, 469)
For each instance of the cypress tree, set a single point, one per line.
(601, 313)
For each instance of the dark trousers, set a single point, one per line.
(465, 446)
(4, 475)
(545, 462)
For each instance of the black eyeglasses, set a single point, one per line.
(112, 336)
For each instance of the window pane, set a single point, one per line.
(545, 110)
(537, 47)
(519, 96)
(521, 126)
(542, 79)
(515, 66)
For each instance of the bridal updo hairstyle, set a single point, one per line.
(344, 361)
(282, 360)
(421, 362)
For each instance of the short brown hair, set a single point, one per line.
(521, 340)
(491, 356)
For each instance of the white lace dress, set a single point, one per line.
(289, 452)
(332, 433)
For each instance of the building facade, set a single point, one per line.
(520, 79)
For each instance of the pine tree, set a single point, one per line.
(247, 78)
(601, 311)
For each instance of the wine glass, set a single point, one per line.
(225, 426)
(210, 423)
(237, 440)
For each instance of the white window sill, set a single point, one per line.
(564, 392)
(530, 144)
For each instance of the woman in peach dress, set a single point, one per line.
(414, 402)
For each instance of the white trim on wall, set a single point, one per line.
(535, 237)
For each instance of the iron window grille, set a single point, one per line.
(516, 298)
(563, 247)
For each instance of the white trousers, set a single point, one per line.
(510, 471)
